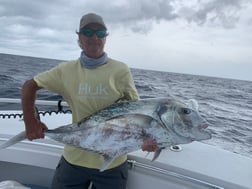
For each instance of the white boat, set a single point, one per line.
(191, 166)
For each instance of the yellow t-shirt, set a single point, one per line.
(87, 91)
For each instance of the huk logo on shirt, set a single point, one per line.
(91, 91)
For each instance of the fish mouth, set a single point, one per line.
(202, 126)
(204, 131)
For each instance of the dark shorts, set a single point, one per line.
(75, 177)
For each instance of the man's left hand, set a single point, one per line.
(149, 145)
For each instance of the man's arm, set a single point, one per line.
(34, 127)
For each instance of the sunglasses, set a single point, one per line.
(100, 33)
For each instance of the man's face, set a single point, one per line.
(92, 45)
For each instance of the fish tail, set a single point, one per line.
(19, 137)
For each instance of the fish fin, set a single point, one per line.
(69, 128)
(107, 161)
(192, 103)
(131, 116)
(157, 153)
(147, 154)
(19, 137)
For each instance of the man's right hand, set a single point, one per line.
(35, 129)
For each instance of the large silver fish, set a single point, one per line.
(122, 128)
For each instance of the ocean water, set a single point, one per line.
(225, 103)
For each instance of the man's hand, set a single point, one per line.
(35, 129)
(149, 145)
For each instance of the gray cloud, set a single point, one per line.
(33, 22)
(54, 20)
(224, 12)
(137, 15)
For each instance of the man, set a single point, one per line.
(88, 84)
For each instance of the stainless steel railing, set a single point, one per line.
(134, 164)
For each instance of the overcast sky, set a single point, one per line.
(202, 37)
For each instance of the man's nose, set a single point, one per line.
(94, 36)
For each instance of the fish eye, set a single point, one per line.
(186, 110)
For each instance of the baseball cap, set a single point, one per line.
(91, 18)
